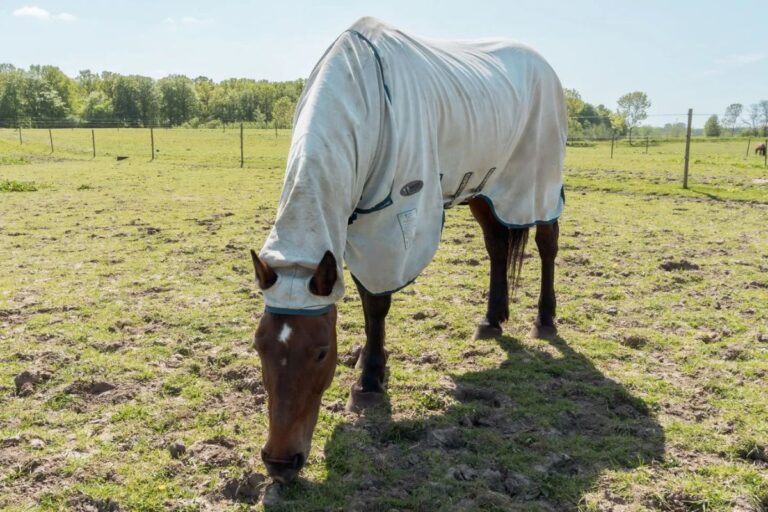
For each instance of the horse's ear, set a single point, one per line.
(325, 276)
(265, 276)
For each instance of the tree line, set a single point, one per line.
(750, 122)
(598, 122)
(44, 96)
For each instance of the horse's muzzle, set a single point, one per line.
(283, 470)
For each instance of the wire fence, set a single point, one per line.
(265, 148)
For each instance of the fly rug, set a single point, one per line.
(392, 129)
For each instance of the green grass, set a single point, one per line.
(17, 186)
(136, 273)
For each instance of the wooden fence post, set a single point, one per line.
(687, 148)
(93, 142)
(613, 139)
(50, 136)
(152, 141)
(749, 141)
(241, 145)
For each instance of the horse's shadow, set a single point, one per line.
(535, 433)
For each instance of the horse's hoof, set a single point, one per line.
(544, 332)
(360, 400)
(487, 332)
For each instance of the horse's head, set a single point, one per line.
(298, 360)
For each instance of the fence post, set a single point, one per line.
(687, 148)
(749, 141)
(20, 142)
(50, 136)
(93, 142)
(152, 141)
(241, 145)
(613, 139)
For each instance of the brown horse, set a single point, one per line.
(760, 150)
(390, 131)
(298, 353)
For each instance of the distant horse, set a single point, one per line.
(390, 131)
(760, 150)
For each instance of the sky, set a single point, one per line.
(684, 54)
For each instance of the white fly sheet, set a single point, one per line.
(390, 130)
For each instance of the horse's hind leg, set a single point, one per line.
(369, 389)
(496, 237)
(546, 240)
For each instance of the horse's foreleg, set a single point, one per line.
(369, 389)
(546, 240)
(496, 237)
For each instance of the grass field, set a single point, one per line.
(127, 307)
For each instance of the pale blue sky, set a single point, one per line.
(699, 54)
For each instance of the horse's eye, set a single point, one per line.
(322, 353)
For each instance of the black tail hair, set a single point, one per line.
(518, 238)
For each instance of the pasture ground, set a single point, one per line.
(127, 307)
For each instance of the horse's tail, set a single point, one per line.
(518, 238)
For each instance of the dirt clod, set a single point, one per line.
(450, 438)
(634, 341)
(734, 352)
(517, 484)
(83, 503)
(421, 315)
(214, 452)
(671, 265)
(81, 387)
(245, 488)
(36, 444)
(27, 380)
(429, 358)
(350, 357)
(463, 473)
(176, 450)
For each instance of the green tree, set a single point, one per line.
(573, 106)
(731, 117)
(134, 100)
(633, 108)
(178, 100)
(762, 115)
(42, 103)
(97, 109)
(282, 112)
(11, 97)
(712, 127)
(204, 88)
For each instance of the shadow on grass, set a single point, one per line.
(533, 434)
(709, 195)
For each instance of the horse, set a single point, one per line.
(391, 130)
(760, 150)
